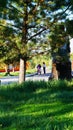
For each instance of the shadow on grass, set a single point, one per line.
(37, 105)
(39, 122)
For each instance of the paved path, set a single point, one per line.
(33, 77)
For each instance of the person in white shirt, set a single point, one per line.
(44, 68)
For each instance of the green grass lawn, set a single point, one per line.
(16, 73)
(37, 105)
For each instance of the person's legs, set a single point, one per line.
(44, 70)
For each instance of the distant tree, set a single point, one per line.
(8, 50)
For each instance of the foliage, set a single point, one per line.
(40, 59)
(37, 105)
(69, 25)
(8, 49)
(26, 25)
(71, 56)
(59, 40)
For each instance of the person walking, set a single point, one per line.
(44, 68)
(39, 69)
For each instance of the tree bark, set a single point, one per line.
(61, 71)
(7, 70)
(23, 60)
(22, 73)
(54, 71)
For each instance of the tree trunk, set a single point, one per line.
(54, 71)
(24, 44)
(7, 70)
(65, 71)
(22, 72)
(61, 71)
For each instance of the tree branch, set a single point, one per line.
(20, 28)
(16, 9)
(30, 26)
(7, 27)
(41, 53)
(36, 34)
(61, 14)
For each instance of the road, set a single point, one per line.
(33, 77)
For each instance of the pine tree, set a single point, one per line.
(31, 21)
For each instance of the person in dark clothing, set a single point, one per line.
(39, 68)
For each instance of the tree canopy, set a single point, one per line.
(27, 23)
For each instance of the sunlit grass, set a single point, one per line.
(16, 73)
(37, 106)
